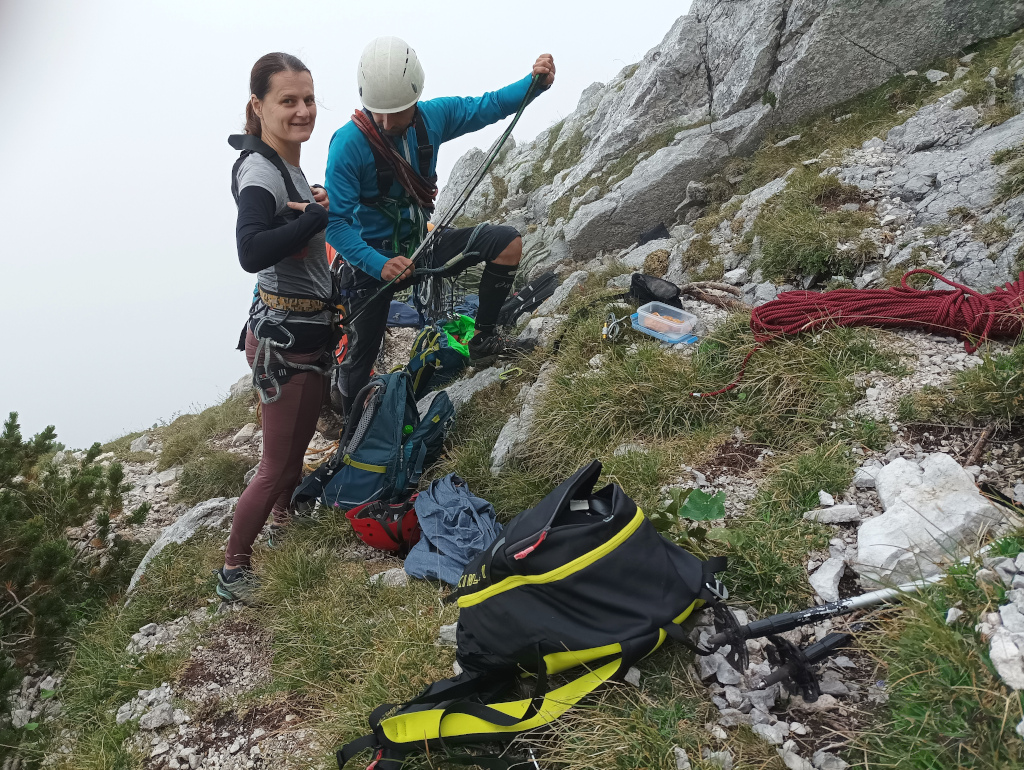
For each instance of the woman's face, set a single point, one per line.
(288, 112)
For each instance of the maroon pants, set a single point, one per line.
(288, 426)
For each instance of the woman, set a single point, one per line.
(282, 241)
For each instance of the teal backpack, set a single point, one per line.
(384, 449)
(439, 354)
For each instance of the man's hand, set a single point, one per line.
(395, 267)
(545, 67)
(320, 196)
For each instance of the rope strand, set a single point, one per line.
(960, 311)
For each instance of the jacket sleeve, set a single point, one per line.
(260, 244)
(343, 182)
(463, 115)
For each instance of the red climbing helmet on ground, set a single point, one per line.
(386, 527)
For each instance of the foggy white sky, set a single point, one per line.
(122, 293)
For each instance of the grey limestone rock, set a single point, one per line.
(825, 580)
(211, 513)
(396, 577)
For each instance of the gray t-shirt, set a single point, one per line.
(306, 274)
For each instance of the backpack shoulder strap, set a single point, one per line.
(385, 174)
(424, 149)
(248, 144)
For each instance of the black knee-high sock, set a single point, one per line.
(495, 285)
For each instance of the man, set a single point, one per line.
(394, 142)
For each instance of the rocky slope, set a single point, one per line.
(724, 76)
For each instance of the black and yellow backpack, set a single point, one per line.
(581, 580)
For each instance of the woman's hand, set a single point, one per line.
(302, 206)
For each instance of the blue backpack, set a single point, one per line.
(384, 449)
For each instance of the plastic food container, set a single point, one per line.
(669, 323)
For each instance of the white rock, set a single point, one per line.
(681, 758)
(726, 674)
(516, 432)
(633, 676)
(141, 444)
(825, 580)
(1006, 658)
(736, 277)
(788, 140)
(932, 511)
(242, 387)
(794, 761)
(1019, 729)
(461, 391)
(449, 634)
(161, 748)
(953, 615)
(864, 478)
(244, 436)
(1018, 493)
(161, 716)
(822, 760)
(837, 514)
(552, 304)
(824, 498)
(771, 733)
(396, 577)
(1013, 620)
(936, 75)
(169, 476)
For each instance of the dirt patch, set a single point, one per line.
(230, 659)
(733, 458)
(272, 735)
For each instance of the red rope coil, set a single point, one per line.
(960, 311)
(419, 188)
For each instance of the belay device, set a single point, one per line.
(595, 552)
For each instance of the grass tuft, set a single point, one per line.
(211, 473)
(802, 227)
(189, 433)
(992, 391)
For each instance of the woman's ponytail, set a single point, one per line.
(252, 121)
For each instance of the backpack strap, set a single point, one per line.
(249, 144)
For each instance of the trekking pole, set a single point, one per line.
(461, 200)
(787, 621)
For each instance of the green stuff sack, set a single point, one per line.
(580, 583)
(440, 353)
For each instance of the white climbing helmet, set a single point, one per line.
(390, 76)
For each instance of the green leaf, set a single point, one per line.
(700, 506)
(46, 694)
(729, 536)
(31, 726)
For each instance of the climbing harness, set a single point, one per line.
(447, 218)
(960, 311)
(270, 368)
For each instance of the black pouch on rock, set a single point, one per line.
(645, 288)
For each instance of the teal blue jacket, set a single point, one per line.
(352, 176)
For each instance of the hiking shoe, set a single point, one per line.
(241, 590)
(484, 350)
